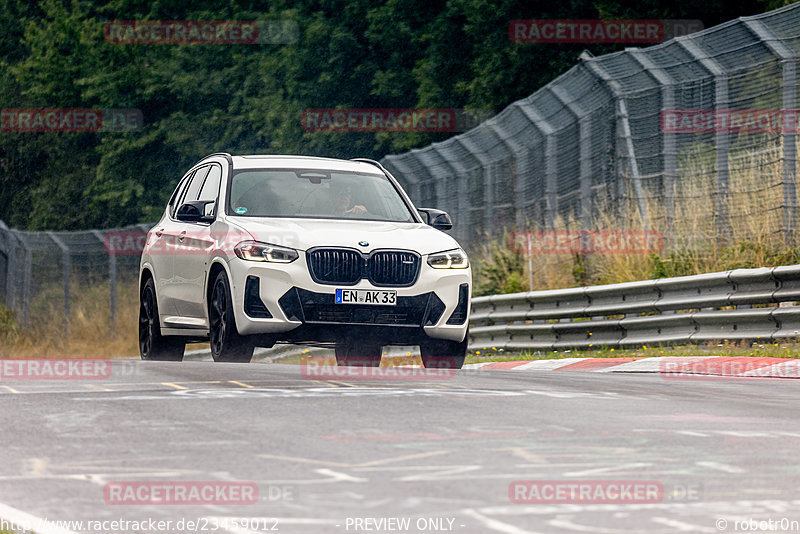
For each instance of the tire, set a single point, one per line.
(444, 354)
(152, 345)
(352, 354)
(226, 343)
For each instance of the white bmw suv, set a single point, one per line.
(254, 250)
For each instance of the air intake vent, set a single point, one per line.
(253, 305)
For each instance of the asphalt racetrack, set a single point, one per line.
(480, 451)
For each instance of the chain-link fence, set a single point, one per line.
(640, 139)
(695, 138)
(43, 273)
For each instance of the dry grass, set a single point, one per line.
(89, 333)
(693, 242)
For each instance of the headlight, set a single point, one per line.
(451, 259)
(255, 251)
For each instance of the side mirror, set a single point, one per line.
(437, 218)
(194, 211)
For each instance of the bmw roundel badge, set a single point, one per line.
(363, 243)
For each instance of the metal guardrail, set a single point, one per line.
(751, 305)
(739, 305)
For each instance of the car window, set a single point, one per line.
(211, 186)
(180, 191)
(316, 194)
(193, 191)
(210, 189)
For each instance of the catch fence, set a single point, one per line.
(695, 138)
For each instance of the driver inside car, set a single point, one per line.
(343, 204)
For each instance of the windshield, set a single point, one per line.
(315, 194)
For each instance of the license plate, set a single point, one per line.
(366, 296)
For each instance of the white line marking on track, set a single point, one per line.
(564, 522)
(725, 468)
(612, 468)
(340, 477)
(680, 526)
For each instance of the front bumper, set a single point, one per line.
(299, 309)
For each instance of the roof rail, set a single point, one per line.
(223, 154)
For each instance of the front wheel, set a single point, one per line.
(443, 354)
(152, 345)
(226, 343)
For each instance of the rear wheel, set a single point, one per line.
(226, 343)
(152, 345)
(354, 354)
(444, 354)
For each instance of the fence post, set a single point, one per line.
(112, 279)
(669, 139)
(550, 161)
(624, 124)
(788, 104)
(27, 273)
(7, 250)
(723, 138)
(789, 154)
(585, 147)
(488, 182)
(424, 157)
(67, 270)
(460, 175)
(516, 152)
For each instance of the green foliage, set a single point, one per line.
(198, 99)
(744, 255)
(9, 329)
(498, 270)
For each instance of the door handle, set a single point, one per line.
(182, 236)
(159, 232)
